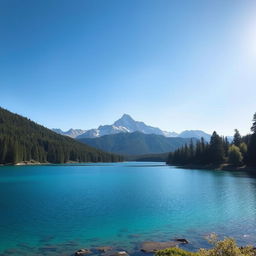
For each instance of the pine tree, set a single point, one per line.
(237, 140)
(253, 128)
(216, 149)
(251, 153)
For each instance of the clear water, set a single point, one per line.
(55, 210)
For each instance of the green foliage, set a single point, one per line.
(243, 148)
(175, 252)
(234, 155)
(24, 140)
(226, 247)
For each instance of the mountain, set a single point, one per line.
(136, 143)
(73, 133)
(126, 124)
(24, 140)
(195, 134)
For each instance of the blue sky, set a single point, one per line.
(177, 65)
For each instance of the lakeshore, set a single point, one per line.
(222, 167)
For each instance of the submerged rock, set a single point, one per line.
(182, 240)
(155, 246)
(103, 248)
(82, 252)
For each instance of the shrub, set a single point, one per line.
(226, 247)
(175, 252)
(234, 155)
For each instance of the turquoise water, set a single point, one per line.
(55, 210)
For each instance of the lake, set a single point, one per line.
(55, 210)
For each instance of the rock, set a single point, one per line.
(155, 246)
(103, 248)
(121, 253)
(182, 240)
(82, 252)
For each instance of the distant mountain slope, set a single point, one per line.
(195, 134)
(24, 140)
(148, 158)
(136, 143)
(72, 133)
(126, 124)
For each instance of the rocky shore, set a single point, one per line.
(145, 248)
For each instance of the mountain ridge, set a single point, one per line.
(72, 133)
(126, 124)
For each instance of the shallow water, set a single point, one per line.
(55, 210)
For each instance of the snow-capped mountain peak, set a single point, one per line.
(126, 124)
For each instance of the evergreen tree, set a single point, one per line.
(226, 146)
(253, 128)
(237, 140)
(216, 149)
(251, 153)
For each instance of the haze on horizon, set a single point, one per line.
(171, 64)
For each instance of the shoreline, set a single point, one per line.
(223, 167)
(35, 163)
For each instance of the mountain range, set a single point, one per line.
(72, 133)
(126, 124)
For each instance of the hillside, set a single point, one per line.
(24, 140)
(148, 158)
(136, 143)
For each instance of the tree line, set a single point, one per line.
(241, 151)
(24, 140)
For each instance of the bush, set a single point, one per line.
(226, 247)
(175, 252)
(234, 155)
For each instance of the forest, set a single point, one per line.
(240, 152)
(23, 140)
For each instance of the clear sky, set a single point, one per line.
(173, 64)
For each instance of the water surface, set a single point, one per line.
(54, 210)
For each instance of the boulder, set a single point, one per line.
(182, 240)
(82, 252)
(121, 253)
